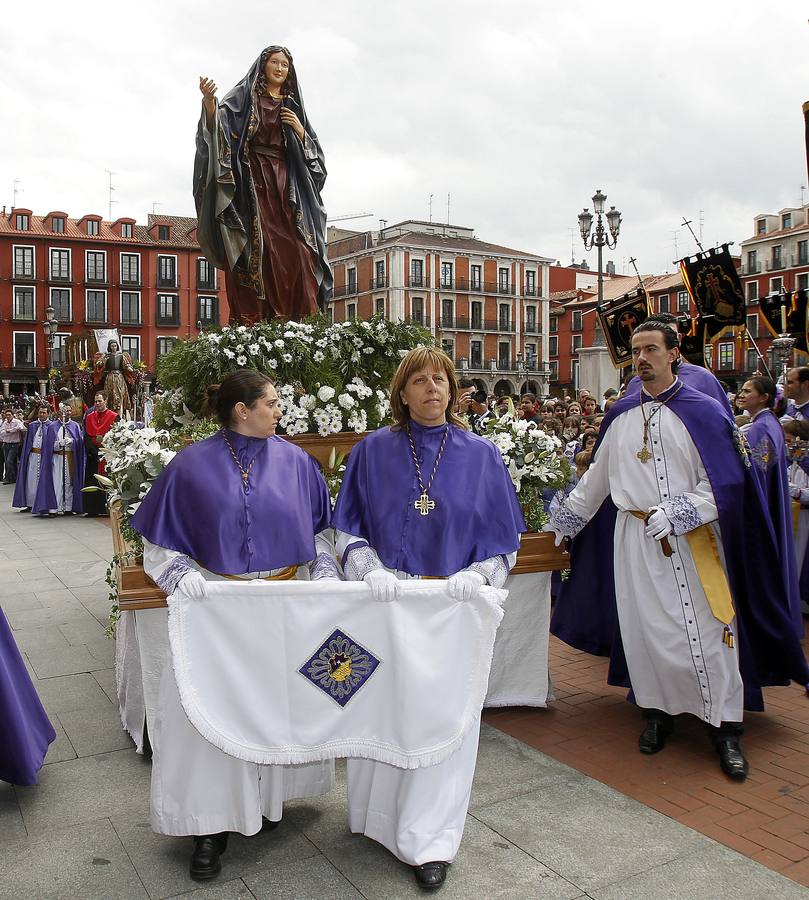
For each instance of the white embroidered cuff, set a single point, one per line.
(493, 569)
(173, 574)
(324, 566)
(682, 514)
(361, 561)
(566, 522)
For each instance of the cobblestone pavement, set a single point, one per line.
(537, 828)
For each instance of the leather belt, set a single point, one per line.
(284, 575)
(665, 546)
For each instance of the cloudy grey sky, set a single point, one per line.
(518, 109)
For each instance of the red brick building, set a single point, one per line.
(486, 304)
(150, 282)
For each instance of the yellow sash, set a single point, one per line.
(284, 575)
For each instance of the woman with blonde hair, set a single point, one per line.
(423, 498)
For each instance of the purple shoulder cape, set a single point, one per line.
(694, 376)
(26, 729)
(46, 494)
(770, 652)
(200, 506)
(476, 516)
(765, 437)
(19, 500)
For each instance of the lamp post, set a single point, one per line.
(49, 326)
(602, 237)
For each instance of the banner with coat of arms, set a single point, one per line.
(293, 672)
(619, 319)
(715, 287)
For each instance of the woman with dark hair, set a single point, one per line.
(258, 175)
(242, 504)
(423, 498)
(765, 437)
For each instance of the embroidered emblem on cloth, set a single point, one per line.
(340, 667)
(742, 446)
(762, 454)
(682, 514)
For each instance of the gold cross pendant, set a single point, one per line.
(643, 454)
(424, 504)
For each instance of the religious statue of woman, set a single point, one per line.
(258, 174)
(113, 372)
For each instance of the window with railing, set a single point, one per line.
(531, 319)
(530, 283)
(417, 310)
(476, 354)
(351, 275)
(803, 253)
(726, 356)
(166, 271)
(96, 306)
(24, 349)
(752, 291)
(60, 301)
(447, 314)
(379, 306)
(503, 356)
(165, 345)
(477, 315)
(24, 305)
(379, 273)
(130, 268)
(447, 270)
(752, 325)
(168, 309)
(207, 311)
(131, 344)
(95, 266)
(752, 261)
(58, 357)
(503, 278)
(130, 308)
(23, 262)
(416, 273)
(576, 320)
(476, 277)
(59, 265)
(504, 317)
(206, 274)
(531, 357)
(777, 256)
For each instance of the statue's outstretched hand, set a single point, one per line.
(208, 89)
(288, 117)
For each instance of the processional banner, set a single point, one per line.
(715, 287)
(619, 319)
(294, 672)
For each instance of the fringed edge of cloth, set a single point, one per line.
(361, 749)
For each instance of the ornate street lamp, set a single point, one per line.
(49, 326)
(601, 237)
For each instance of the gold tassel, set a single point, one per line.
(728, 637)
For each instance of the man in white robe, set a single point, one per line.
(681, 658)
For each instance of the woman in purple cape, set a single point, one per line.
(423, 498)
(26, 729)
(241, 504)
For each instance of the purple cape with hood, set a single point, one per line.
(765, 436)
(476, 516)
(26, 729)
(20, 499)
(45, 499)
(200, 506)
(770, 652)
(694, 376)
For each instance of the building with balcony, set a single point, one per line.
(150, 282)
(486, 304)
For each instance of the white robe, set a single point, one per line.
(673, 644)
(417, 814)
(799, 479)
(34, 464)
(198, 789)
(62, 471)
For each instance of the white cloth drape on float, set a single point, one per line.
(294, 672)
(519, 674)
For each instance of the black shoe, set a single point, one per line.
(731, 758)
(654, 734)
(430, 876)
(267, 825)
(26, 509)
(205, 862)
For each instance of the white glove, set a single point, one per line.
(193, 585)
(385, 586)
(794, 491)
(465, 585)
(551, 530)
(658, 525)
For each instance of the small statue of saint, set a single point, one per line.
(113, 373)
